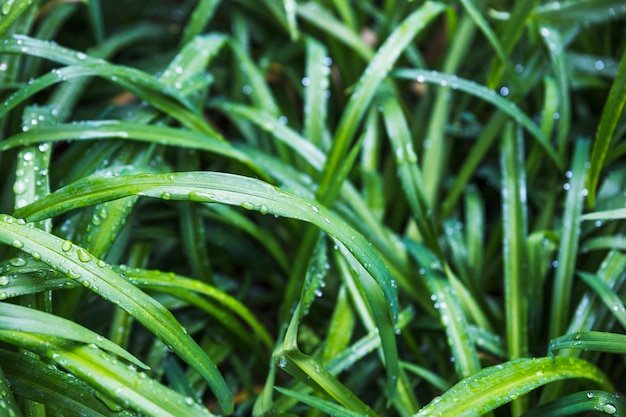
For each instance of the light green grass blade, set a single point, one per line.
(201, 15)
(616, 214)
(408, 169)
(613, 108)
(322, 405)
(378, 68)
(568, 247)
(211, 187)
(582, 403)
(590, 340)
(78, 264)
(579, 11)
(193, 58)
(486, 94)
(555, 45)
(316, 83)
(514, 237)
(498, 385)
(18, 318)
(11, 10)
(611, 300)
(40, 382)
(126, 387)
(315, 14)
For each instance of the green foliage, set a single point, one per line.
(290, 208)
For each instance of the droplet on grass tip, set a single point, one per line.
(609, 408)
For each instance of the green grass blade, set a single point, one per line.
(159, 280)
(315, 84)
(568, 248)
(212, 187)
(378, 68)
(582, 403)
(193, 58)
(578, 11)
(498, 385)
(616, 214)
(78, 264)
(514, 237)
(611, 300)
(314, 13)
(590, 340)
(322, 405)
(486, 94)
(11, 11)
(126, 387)
(408, 169)
(20, 318)
(46, 384)
(611, 113)
(201, 15)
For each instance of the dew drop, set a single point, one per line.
(306, 81)
(83, 255)
(166, 196)
(282, 362)
(609, 408)
(189, 401)
(17, 244)
(315, 209)
(81, 56)
(590, 395)
(4, 280)
(66, 246)
(247, 205)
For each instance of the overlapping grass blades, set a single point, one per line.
(312, 207)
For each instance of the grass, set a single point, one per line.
(307, 208)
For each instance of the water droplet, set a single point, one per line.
(17, 244)
(81, 56)
(306, 81)
(283, 120)
(189, 401)
(590, 395)
(200, 196)
(66, 246)
(166, 196)
(4, 280)
(83, 255)
(315, 209)
(18, 262)
(6, 6)
(599, 65)
(504, 91)
(609, 408)
(101, 263)
(71, 274)
(246, 89)
(263, 209)
(247, 205)
(282, 362)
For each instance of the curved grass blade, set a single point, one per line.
(590, 340)
(214, 187)
(364, 90)
(78, 264)
(611, 113)
(157, 280)
(616, 214)
(102, 129)
(18, 318)
(612, 301)
(124, 386)
(561, 297)
(485, 94)
(582, 403)
(322, 405)
(408, 169)
(40, 382)
(497, 385)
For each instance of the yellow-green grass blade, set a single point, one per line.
(590, 340)
(497, 385)
(11, 11)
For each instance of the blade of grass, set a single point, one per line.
(611, 300)
(497, 385)
(568, 248)
(581, 403)
(486, 94)
(514, 237)
(80, 265)
(590, 340)
(611, 113)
